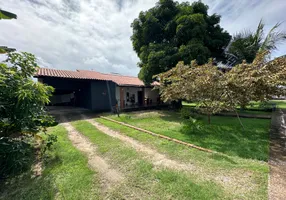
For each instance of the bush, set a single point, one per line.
(22, 113)
(192, 126)
(185, 113)
(16, 156)
(48, 142)
(22, 100)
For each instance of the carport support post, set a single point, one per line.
(109, 97)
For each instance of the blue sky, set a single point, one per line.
(95, 34)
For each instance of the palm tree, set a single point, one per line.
(245, 45)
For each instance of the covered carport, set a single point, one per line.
(69, 92)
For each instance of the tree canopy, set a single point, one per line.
(171, 32)
(257, 81)
(215, 91)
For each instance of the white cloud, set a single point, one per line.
(95, 34)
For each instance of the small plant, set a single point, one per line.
(185, 113)
(48, 142)
(192, 126)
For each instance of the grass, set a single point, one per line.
(254, 109)
(224, 135)
(66, 175)
(253, 104)
(212, 163)
(142, 179)
(278, 103)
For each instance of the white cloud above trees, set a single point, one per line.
(95, 34)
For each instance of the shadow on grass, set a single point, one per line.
(230, 139)
(28, 187)
(224, 135)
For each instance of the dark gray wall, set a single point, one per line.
(82, 89)
(90, 94)
(85, 97)
(65, 83)
(100, 96)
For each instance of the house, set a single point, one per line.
(97, 91)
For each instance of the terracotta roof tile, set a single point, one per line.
(91, 75)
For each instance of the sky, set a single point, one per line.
(95, 34)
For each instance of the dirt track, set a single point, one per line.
(237, 182)
(109, 176)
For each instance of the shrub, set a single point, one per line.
(192, 126)
(16, 156)
(185, 113)
(22, 112)
(22, 100)
(48, 142)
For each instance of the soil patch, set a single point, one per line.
(277, 160)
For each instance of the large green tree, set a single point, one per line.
(171, 32)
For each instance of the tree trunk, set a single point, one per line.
(177, 105)
(237, 115)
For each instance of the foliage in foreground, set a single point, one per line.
(216, 91)
(22, 113)
(65, 175)
(16, 156)
(22, 100)
(172, 31)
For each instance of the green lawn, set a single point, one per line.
(224, 135)
(278, 103)
(253, 104)
(209, 163)
(141, 178)
(66, 176)
(231, 175)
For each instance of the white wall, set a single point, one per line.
(131, 90)
(149, 93)
(152, 94)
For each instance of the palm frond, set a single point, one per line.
(258, 35)
(273, 38)
(242, 34)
